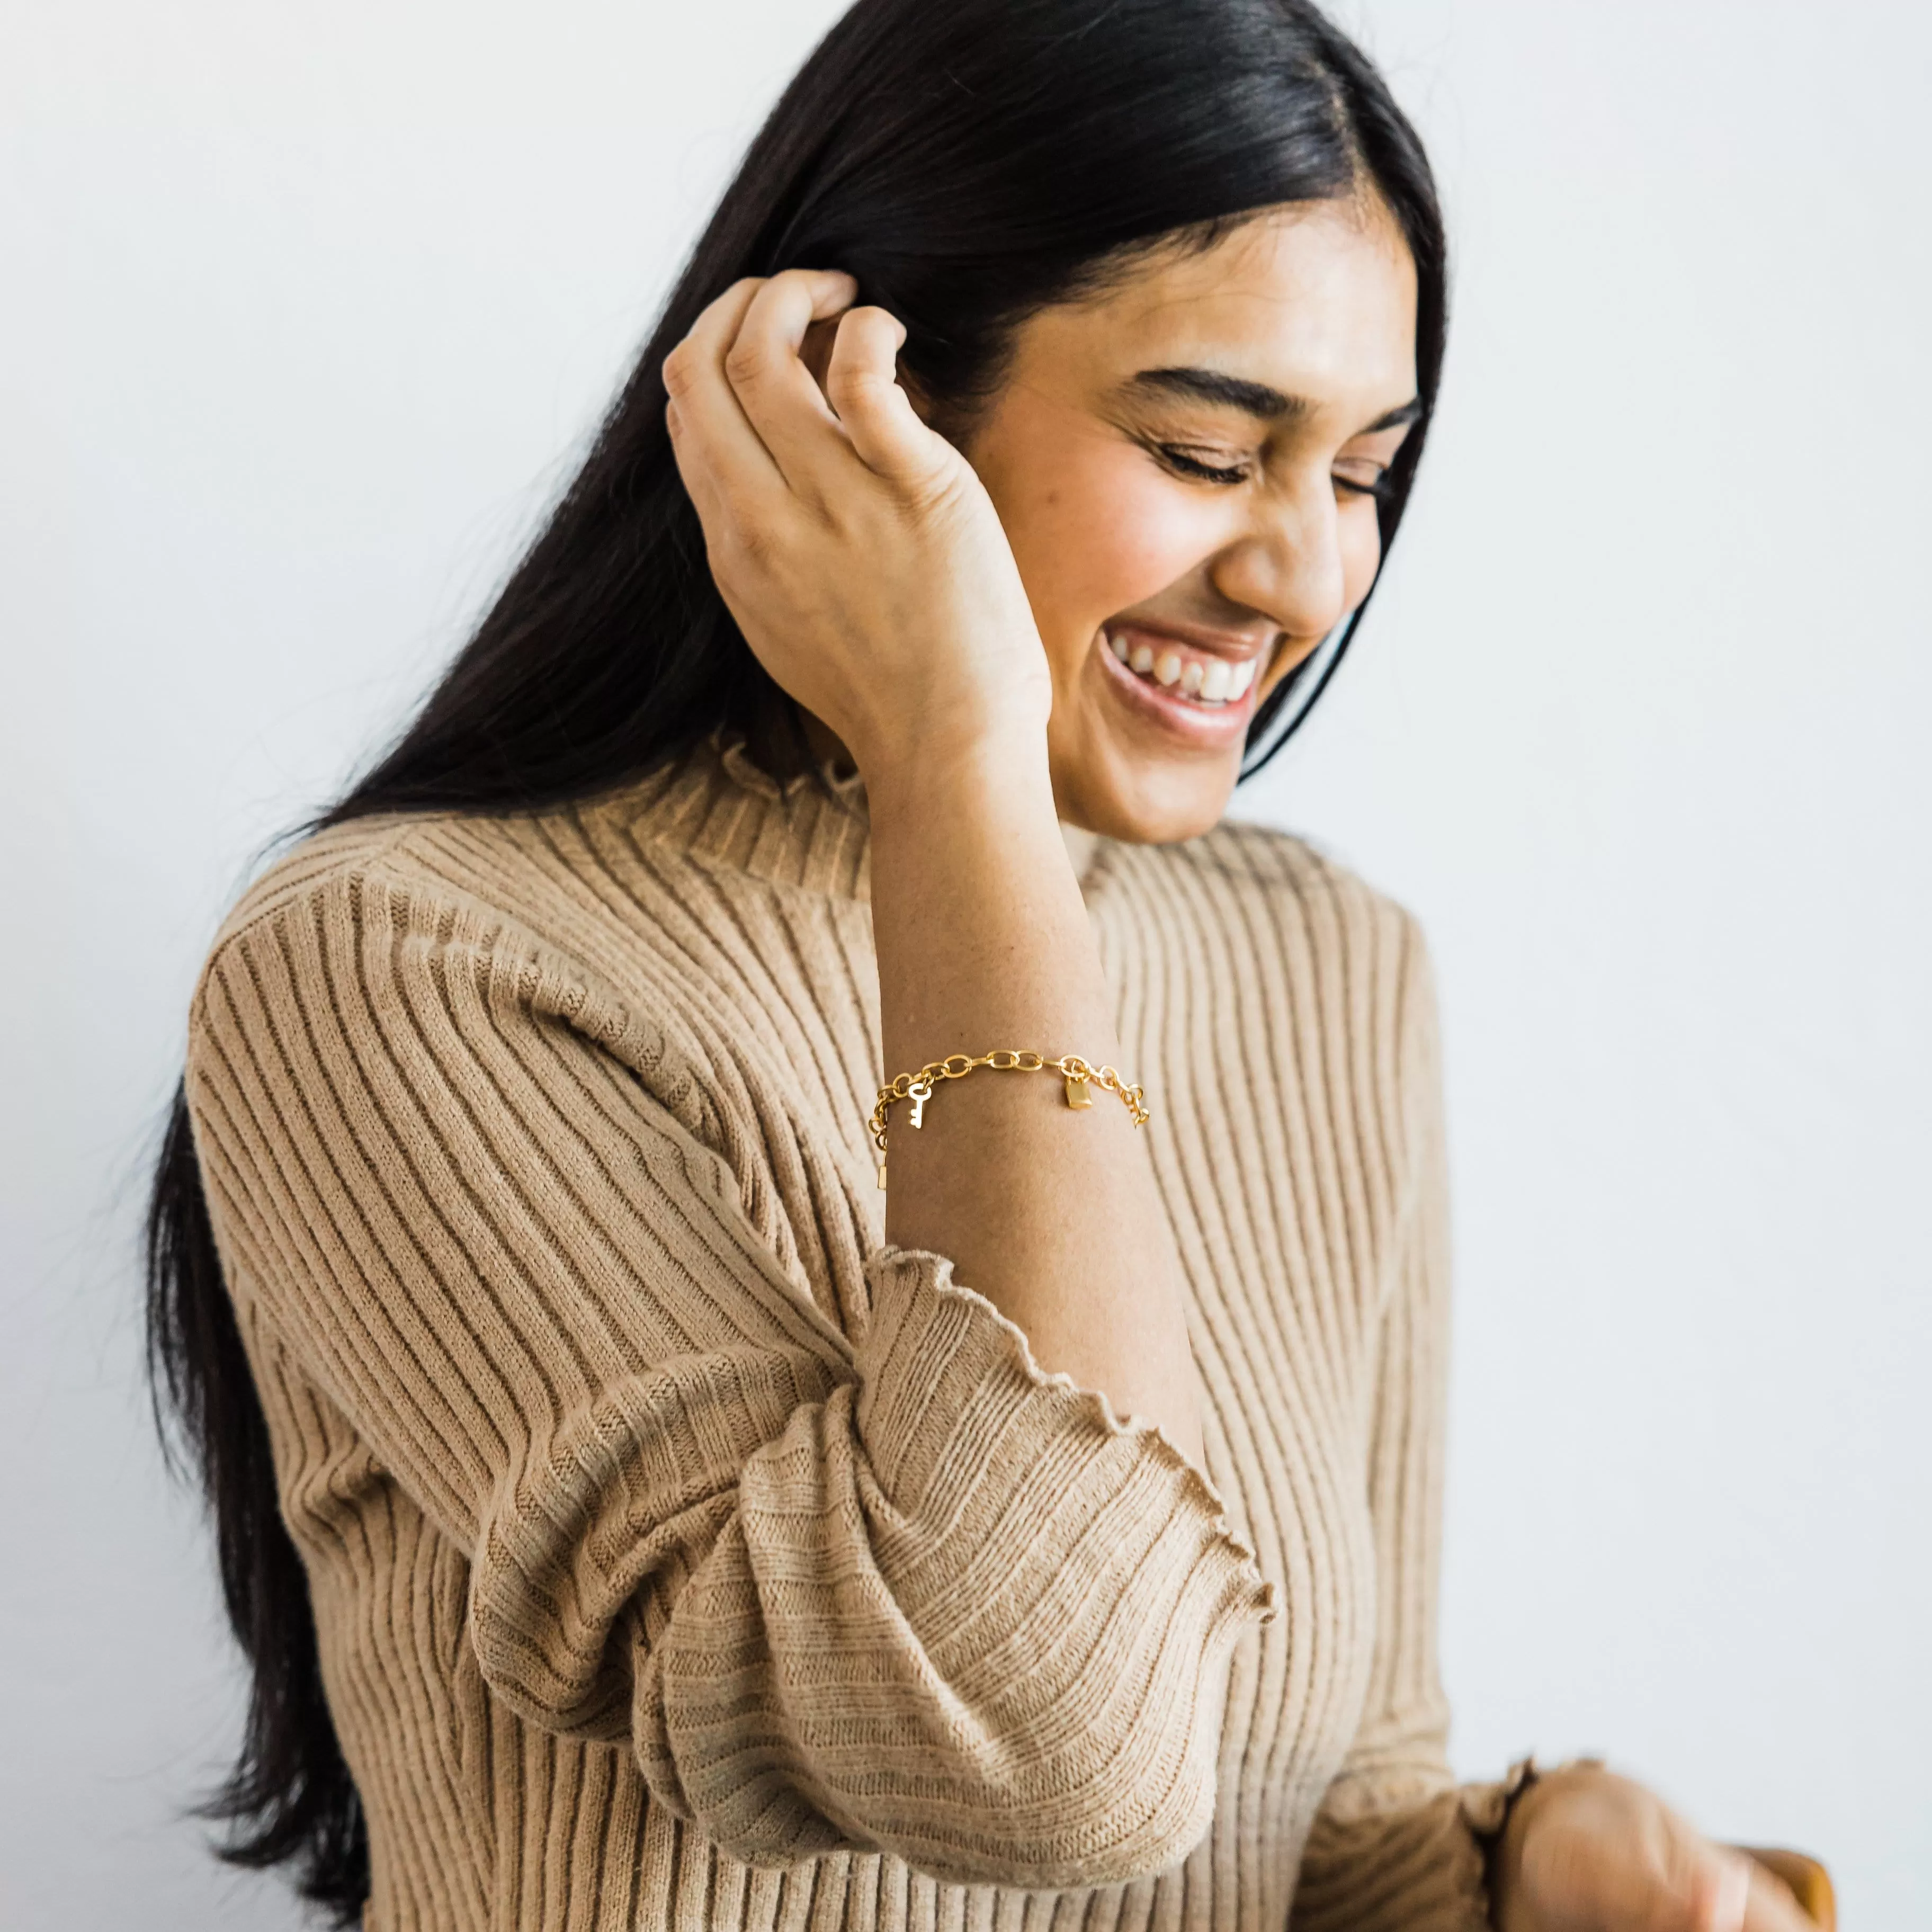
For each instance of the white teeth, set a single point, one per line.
(1213, 681)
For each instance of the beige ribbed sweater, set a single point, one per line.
(683, 1555)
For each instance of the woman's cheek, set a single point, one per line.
(1109, 531)
(1361, 551)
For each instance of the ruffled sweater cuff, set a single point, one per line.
(968, 1615)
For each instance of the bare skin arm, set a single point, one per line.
(868, 569)
(983, 941)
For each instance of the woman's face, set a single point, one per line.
(1186, 468)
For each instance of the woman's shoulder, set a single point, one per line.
(471, 936)
(311, 866)
(520, 889)
(625, 916)
(439, 856)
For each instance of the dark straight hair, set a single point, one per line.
(970, 162)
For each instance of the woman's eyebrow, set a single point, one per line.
(1214, 385)
(1261, 400)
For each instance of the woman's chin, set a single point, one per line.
(1142, 762)
(1142, 797)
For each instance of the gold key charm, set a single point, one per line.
(919, 1093)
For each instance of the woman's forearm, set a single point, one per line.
(983, 942)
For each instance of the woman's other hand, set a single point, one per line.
(1588, 1851)
(858, 551)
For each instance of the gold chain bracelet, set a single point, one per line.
(1078, 1074)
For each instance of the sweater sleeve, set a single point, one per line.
(901, 1591)
(1397, 1845)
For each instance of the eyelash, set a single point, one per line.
(1192, 465)
(1179, 460)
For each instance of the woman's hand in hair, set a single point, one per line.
(858, 551)
(1588, 1851)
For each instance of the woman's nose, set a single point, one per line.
(1289, 564)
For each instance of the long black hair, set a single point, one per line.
(971, 163)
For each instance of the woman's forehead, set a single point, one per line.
(1317, 297)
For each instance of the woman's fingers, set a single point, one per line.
(1772, 1906)
(748, 418)
(876, 412)
(1731, 1892)
(1721, 1891)
(1595, 1849)
(719, 455)
(773, 386)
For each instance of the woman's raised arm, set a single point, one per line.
(867, 568)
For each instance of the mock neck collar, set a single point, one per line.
(810, 830)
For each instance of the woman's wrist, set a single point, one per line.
(996, 773)
(1505, 1859)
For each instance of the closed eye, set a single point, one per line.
(1186, 465)
(1370, 472)
(1378, 486)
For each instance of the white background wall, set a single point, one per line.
(304, 306)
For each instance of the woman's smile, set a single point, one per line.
(1203, 695)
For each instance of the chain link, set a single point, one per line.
(1078, 1073)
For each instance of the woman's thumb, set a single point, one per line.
(1720, 1888)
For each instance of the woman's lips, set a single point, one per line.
(1205, 695)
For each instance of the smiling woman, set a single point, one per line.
(1192, 469)
(630, 1523)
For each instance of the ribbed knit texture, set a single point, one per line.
(683, 1555)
